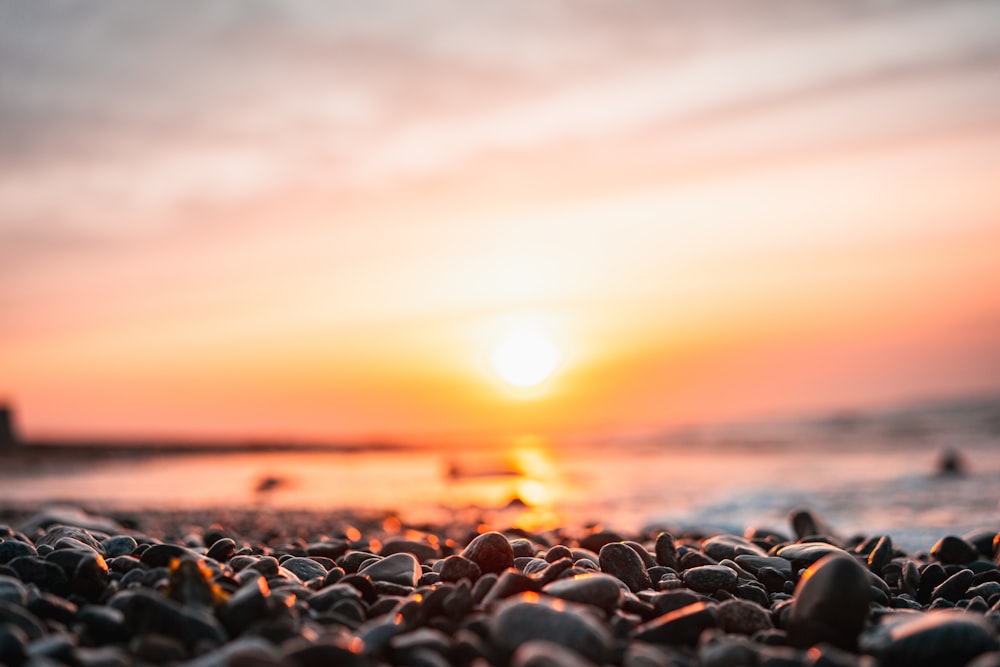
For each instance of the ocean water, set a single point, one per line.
(864, 473)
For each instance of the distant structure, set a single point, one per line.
(8, 437)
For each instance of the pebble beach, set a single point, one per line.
(271, 587)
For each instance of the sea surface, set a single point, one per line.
(865, 473)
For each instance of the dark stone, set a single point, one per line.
(648, 559)
(806, 523)
(710, 578)
(529, 617)
(804, 554)
(491, 552)
(931, 576)
(682, 626)
(831, 603)
(35, 570)
(400, 568)
(558, 552)
(363, 584)
(952, 550)
(11, 549)
(13, 644)
(70, 516)
(754, 594)
(147, 612)
(102, 624)
(953, 588)
(47, 606)
(742, 617)
(595, 541)
(622, 561)
(666, 550)
(669, 601)
(753, 564)
(304, 568)
(543, 653)
(160, 555)
(329, 549)
(553, 571)
(932, 639)
(880, 555)
(69, 537)
(721, 547)
(420, 550)
(90, 578)
(12, 590)
(17, 615)
(511, 582)
(599, 590)
(222, 549)
(118, 545)
(455, 568)
(694, 558)
(982, 540)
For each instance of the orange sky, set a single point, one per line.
(310, 220)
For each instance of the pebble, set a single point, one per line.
(11, 549)
(621, 561)
(304, 568)
(277, 588)
(682, 626)
(952, 550)
(543, 653)
(710, 578)
(530, 616)
(600, 590)
(831, 603)
(456, 568)
(742, 617)
(401, 568)
(491, 552)
(931, 639)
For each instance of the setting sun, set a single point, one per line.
(525, 356)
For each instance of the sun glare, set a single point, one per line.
(525, 356)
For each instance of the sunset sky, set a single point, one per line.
(317, 219)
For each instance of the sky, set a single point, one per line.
(315, 220)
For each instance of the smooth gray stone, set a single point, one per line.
(601, 590)
(401, 568)
(954, 587)
(304, 568)
(528, 617)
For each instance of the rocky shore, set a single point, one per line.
(307, 589)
